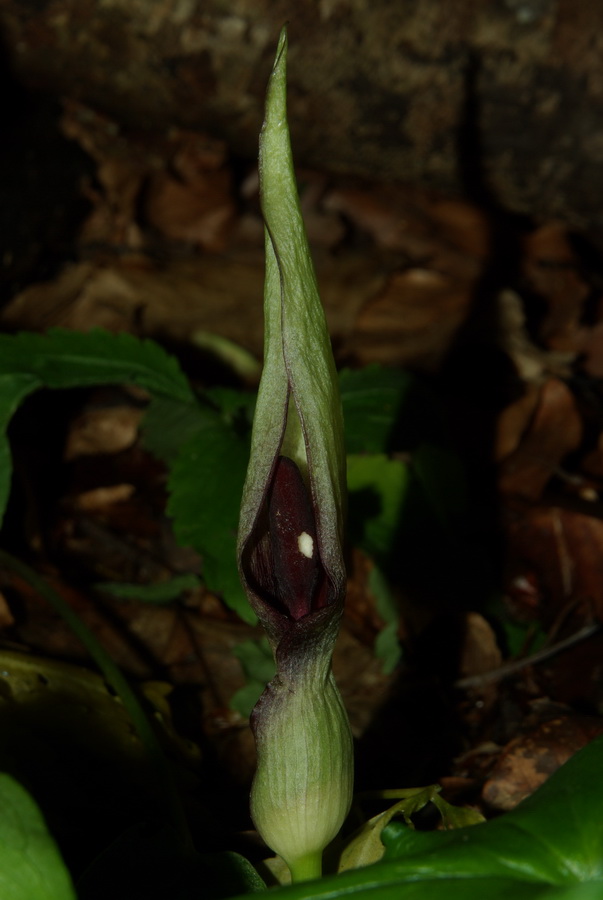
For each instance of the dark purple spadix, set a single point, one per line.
(298, 572)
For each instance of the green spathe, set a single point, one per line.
(302, 789)
(298, 363)
(291, 529)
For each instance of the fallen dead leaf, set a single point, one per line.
(413, 321)
(514, 421)
(479, 651)
(561, 552)
(463, 226)
(108, 429)
(555, 430)
(532, 363)
(527, 761)
(102, 497)
(192, 199)
(551, 268)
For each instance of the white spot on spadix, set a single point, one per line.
(306, 544)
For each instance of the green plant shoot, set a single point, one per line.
(291, 530)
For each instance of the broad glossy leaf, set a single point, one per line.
(366, 845)
(556, 834)
(31, 867)
(549, 848)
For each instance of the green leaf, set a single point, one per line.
(257, 663)
(366, 846)
(205, 485)
(555, 835)
(378, 488)
(455, 816)
(63, 359)
(378, 491)
(224, 873)
(236, 407)
(163, 592)
(549, 848)
(374, 401)
(441, 476)
(207, 449)
(169, 424)
(31, 867)
(207, 452)
(387, 645)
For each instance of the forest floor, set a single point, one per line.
(498, 678)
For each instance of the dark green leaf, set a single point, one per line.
(205, 486)
(221, 874)
(63, 359)
(378, 488)
(168, 425)
(456, 816)
(549, 848)
(31, 867)
(257, 662)
(373, 400)
(208, 454)
(387, 644)
(366, 847)
(236, 406)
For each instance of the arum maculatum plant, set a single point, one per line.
(291, 530)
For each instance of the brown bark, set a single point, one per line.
(502, 97)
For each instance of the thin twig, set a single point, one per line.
(516, 665)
